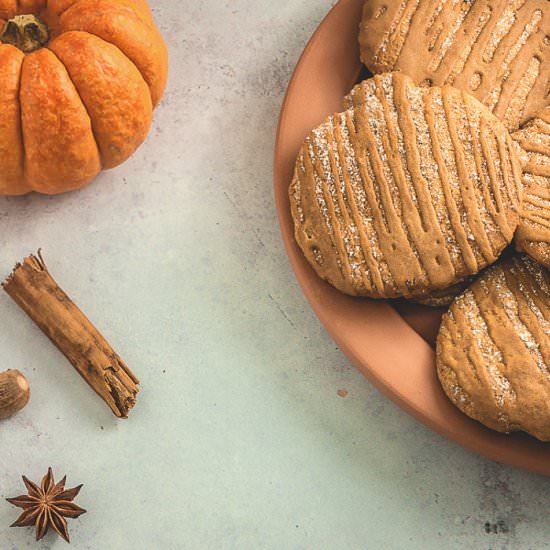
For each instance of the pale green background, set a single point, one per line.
(239, 439)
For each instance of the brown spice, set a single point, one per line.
(33, 288)
(47, 506)
(14, 393)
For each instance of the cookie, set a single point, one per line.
(533, 234)
(493, 349)
(496, 50)
(440, 298)
(408, 191)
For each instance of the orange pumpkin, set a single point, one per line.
(78, 83)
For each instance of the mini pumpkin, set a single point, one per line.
(79, 80)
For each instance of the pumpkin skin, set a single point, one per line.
(82, 103)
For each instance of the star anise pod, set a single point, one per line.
(47, 505)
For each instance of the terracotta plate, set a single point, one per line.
(389, 342)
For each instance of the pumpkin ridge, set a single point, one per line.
(128, 6)
(156, 39)
(146, 19)
(12, 182)
(100, 156)
(75, 5)
(60, 14)
(7, 10)
(23, 149)
(51, 155)
(95, 119)
(112, 44)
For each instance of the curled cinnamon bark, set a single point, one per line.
(33, 288)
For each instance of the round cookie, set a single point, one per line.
(408, 191)
(496, 50)
(493, 349)
(533, 234)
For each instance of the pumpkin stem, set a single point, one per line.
(25, 32)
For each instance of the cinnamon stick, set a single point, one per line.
(33, 288)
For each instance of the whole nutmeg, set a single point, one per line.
(14, 392)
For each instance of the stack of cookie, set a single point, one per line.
(438, 163)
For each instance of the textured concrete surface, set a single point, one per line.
(239, 439)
